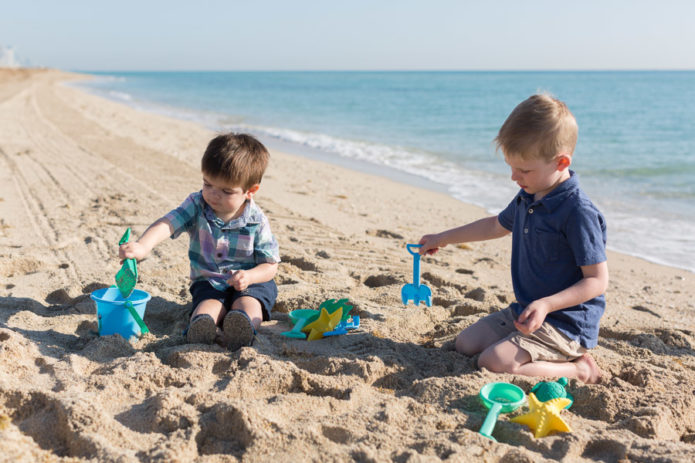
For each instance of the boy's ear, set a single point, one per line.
(563, 161)
(252, 190)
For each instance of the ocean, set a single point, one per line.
(635, 156)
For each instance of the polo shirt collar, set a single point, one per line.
(252, 215)
(556, 197)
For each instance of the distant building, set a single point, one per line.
(8, 58)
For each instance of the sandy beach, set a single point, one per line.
(77, 170)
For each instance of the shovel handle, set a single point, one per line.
(416, 263)
(410, 246)
(136, 317)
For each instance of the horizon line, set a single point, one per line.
(384, 70)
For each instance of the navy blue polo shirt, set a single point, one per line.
(551, 239)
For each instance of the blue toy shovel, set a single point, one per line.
(415, 291)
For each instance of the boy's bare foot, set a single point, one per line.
(587, 369)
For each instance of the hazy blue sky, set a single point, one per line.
(353, 34)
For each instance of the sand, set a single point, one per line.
(76, 170)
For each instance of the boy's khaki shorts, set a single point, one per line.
(546, 343)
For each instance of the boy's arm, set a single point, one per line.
(484, 229)
(241, 279)
(593, 284)
(155, 234)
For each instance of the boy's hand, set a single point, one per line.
(132, 250)
(532, 317)
(430, 244)
(240, 279)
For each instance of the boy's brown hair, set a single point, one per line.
(539, 127)
(239, 159)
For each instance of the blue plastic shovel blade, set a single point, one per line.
(409, 293)
(424, 294)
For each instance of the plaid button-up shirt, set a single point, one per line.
(216, 248)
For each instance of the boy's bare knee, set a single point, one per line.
(491, 360)
(462, 346)
(465, 346)
(252, 307)
(211, 307)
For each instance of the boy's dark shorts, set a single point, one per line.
(265, 293)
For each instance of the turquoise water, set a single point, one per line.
(635, 155)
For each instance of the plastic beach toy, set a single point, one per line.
(344, 327)
(415, 291)
(545, 391)
(331, 305)
(127, 276)
(325, 322)
(544, 417)
(117, 315)
(499, 398)
(302, 318)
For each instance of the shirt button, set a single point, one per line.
(525, 230)
(530, 211)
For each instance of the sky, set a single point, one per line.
(95, 35)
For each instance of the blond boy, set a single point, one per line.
(558, 264)
(233, 253)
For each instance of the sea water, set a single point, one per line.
(635, 156)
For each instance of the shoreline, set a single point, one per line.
(628, 233)
(76, 170)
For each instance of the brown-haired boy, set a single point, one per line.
(559, 269)
(233, 254)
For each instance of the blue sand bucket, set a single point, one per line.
(114, 315)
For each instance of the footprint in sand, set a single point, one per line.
(434, 280)
(660, 342)
(385, 234)
(377, 281)
(467, 308)
(301, 263)
(477, 294)
(21, 266)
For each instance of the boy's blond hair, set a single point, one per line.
(539, 127)
(239, 159)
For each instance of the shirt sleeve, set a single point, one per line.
(586, 235)
(183, 217)
(506, 217)
(266, 249)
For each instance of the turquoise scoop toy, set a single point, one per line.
(499, 398)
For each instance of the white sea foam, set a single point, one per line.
(477, 187)
(120, 96)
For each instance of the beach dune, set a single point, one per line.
(77, 170)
